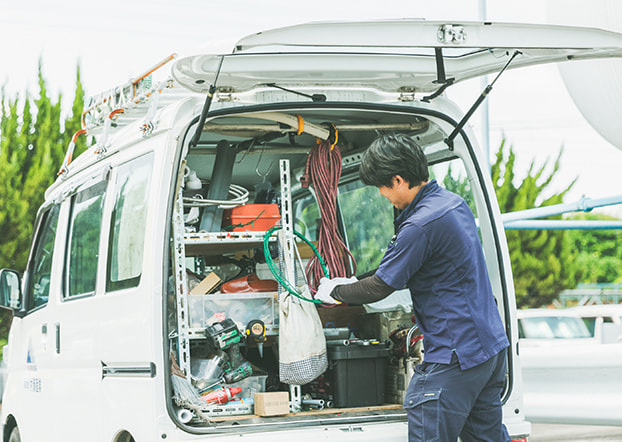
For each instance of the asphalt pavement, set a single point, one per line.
(574, 433)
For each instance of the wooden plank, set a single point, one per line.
(311, 412)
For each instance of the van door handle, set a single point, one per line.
(57, 327)
(44, 336)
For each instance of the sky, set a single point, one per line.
(117, 40)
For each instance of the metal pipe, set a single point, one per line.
(583, 205)
(562, 225)
(315, 403)
(220, 128)
(336, 333)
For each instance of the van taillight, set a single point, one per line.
(521, 439)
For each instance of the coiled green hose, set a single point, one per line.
(277, 273)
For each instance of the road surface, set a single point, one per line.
(574, 433)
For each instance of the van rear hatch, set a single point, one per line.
(390, 55)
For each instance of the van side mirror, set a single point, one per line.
(10, 290)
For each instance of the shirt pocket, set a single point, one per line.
(423, 409)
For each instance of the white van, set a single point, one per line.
(132, 250)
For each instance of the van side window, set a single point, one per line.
(83, 242)
(38, 282)
(127, 235)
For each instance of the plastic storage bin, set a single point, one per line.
(256, 217)
(357, 374)
(241, 307)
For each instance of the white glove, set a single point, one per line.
(326, 288)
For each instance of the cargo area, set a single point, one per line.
(239, 187)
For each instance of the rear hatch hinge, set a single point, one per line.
(407, 93)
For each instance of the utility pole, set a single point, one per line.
(485, 131)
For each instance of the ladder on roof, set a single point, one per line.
(137, 94)
(124, 97)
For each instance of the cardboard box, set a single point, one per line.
(205, 286)
(274, 403)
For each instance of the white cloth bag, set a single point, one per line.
(302, 345)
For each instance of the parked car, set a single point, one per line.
(543, 327)
(569, 376)
(604, 321)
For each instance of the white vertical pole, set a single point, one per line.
(485, 133)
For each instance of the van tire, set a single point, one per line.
(15, 436)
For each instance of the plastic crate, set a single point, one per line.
(357, 374)
(205, 310)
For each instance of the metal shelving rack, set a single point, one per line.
(181, 285)
(214, 243)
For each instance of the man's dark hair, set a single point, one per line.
(390, 155)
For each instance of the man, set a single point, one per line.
(437, 254)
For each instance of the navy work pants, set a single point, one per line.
(444, 402)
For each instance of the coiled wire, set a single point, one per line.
(324, 169)
(238, 196)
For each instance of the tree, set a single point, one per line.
(542, 260)
(13, 207)
(599, 252)
(33, 140)
(32, 148)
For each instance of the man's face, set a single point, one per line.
(398, 194)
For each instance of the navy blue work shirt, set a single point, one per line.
(437, 254)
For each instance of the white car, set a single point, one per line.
(569, 376)
(544, 327)
(604, 321)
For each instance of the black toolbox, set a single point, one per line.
(357, 374)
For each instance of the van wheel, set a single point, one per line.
(15, 437)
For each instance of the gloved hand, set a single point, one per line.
(326, 288)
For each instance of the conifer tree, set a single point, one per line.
(34, 138)
(13, 208)
(542, 260)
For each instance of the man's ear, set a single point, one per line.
(398, 180)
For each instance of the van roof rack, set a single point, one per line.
(123, 104)
(121, 99)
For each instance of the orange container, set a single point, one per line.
(256, 217)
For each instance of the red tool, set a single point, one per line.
(221, 396)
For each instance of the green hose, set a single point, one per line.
(277, 273)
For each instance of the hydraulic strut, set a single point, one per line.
(450, 139)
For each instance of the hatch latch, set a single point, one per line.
(454, 34)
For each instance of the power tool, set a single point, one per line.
(226, 337)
